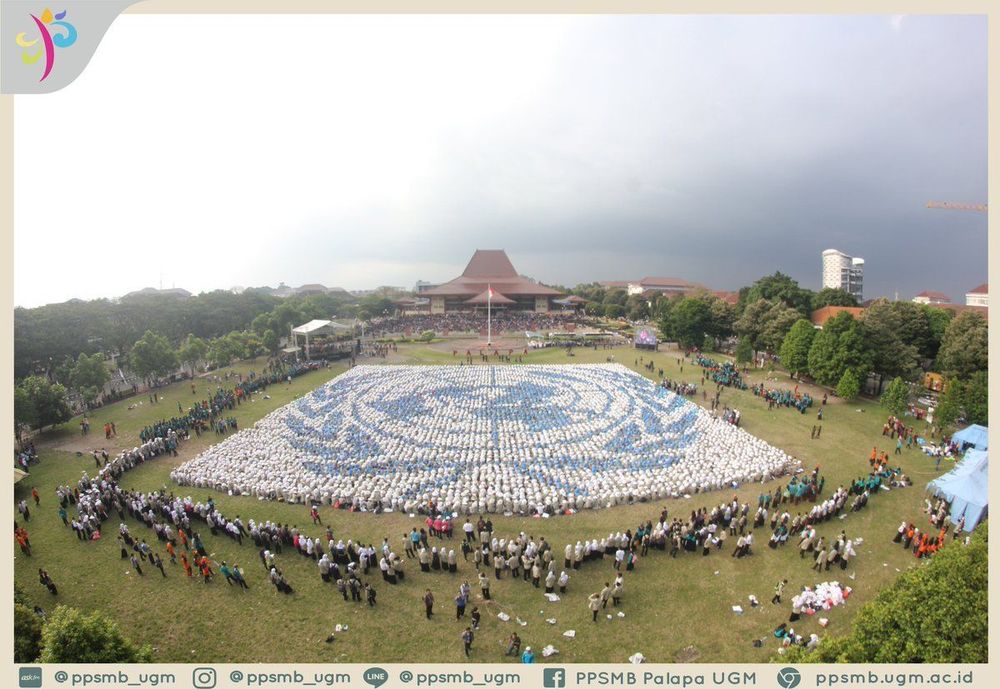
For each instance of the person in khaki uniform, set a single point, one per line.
(605, 595)
(594, 603)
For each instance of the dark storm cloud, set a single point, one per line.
(716, 149)
(722, 149)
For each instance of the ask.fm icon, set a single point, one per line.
(51, 35)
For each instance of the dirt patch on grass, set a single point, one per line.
(474, 344)
(84, 443)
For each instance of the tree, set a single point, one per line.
(949, 407)
(27, 634)
(883, 328)
(246, 344)
(152, 356)
(935, 613)
(751, 323)
(721, 316)
(373, 306)
(24, 412)
(63, 373)
(837, 347)
(778, 321)
(744, 351)
(270, 340)
(832, 296)
(849, 386)
(795, 349)
(192, 350)
(72, 636)
(915, 329)
(976, 398)
(40, 403)
(89, 376)
(708, 344)
(689, 322)
(964, 347)
(896, 397)
(766, 323)
(780, 287)
(614, 311)
(938, 320)
(618, 297)
(852, 352)
(637, 308)
(223, 350)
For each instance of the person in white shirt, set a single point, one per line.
(563, 581)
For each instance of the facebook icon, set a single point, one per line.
(554, 678)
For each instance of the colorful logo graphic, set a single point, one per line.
(51, 38)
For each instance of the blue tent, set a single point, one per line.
(975, 435)
(966, 487)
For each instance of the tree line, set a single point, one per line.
(63, 346)
(893, 341)
(44, 337)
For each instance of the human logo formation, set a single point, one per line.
(510, 439)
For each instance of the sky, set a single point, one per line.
(208, 152)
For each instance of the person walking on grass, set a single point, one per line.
(45, 580)
(460, 602)
(429, 603)
(467, 637)
(778, 589)
(617, 590)
(238, 577)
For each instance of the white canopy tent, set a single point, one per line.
(316, 327)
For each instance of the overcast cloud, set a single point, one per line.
(361, 151)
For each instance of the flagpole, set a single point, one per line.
(489, 314)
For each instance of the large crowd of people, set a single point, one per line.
(419, 441)
(470, 439)
(502, 321)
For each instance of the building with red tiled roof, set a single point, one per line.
(956, 309)
(932, 297)
(661, 285)
(821, 316)
(490, 269)
(978, 296)
(731, 298)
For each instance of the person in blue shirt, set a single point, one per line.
(528, 657)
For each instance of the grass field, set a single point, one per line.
(675, 609)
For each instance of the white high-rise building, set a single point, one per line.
(841, 271)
